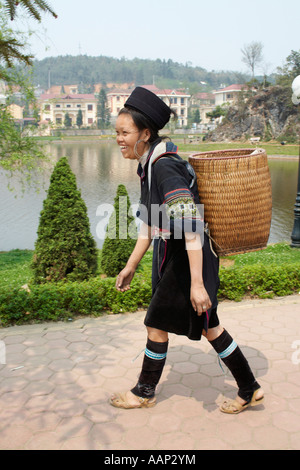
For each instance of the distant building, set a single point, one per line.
(176, 99)
(205, 102)
(54, 104)
(15, 111)
(63, 89)
(112, 86)
(53, 108)
(228, 94)
(116, 98)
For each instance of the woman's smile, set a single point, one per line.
(127, 136)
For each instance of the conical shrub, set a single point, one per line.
(65, 248)
(120, 236)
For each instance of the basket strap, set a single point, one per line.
(207, 231)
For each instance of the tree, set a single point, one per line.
(11, 45)
(79, 119)
(18, 151)
(33, 7)
(120, 236)
(290, 70)
(197, 118)
(252, 55)
(10, 50)
(217, 112)
(103, 114)
(64, 248)
(67, 120)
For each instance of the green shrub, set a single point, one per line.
(64, 300)
(259, 280)
(65, 248)
(120, 236)
(274, 271)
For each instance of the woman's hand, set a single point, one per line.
(143, 242)
(124, 279)
(200, 299)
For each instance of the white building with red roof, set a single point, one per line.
(54, 107)
(228, 94)
(176, 99)
(116, 98)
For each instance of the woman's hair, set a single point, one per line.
(142, 122)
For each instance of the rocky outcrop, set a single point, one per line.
(268, 114)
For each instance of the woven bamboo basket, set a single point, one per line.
(235, 188)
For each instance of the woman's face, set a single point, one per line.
(128, 135)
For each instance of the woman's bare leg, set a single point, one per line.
(157, 335)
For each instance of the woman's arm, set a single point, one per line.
(199, 297)
(143, 242)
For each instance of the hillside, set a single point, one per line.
(268, 114)
(87, 70)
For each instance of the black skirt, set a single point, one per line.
(170, 308)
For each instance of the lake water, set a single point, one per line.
(99, 169)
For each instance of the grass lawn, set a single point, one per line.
(274, 148)
(15, 268)
(278, 253)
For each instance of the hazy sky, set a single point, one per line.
(206, 33)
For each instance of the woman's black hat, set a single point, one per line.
(150, 105)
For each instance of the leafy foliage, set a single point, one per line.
(11, 50)
(120, 236)
(89, 70)
(18, 151)
(33, 8)
(65, 248)
(103, 113)
(290, 70)
(266, 273)
(12, 43)
(62, 301)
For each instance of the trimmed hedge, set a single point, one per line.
(96, 296)
(263, 281)
(62, 301)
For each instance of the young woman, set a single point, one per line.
(185, 269)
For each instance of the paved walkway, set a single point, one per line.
(55, 384)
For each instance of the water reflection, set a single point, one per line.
(284, 190)
(99, 169)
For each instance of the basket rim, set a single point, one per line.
(197, 156)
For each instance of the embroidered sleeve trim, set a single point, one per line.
(176, 194)
(183, 208)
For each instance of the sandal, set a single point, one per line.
(234, 407)
(119, 401)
